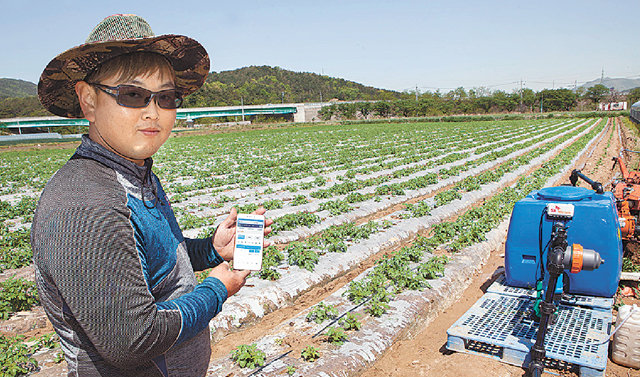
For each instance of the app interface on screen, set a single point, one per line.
(249, 237)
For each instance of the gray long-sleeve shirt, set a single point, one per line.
(116, 276)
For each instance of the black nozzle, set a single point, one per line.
(597, 186)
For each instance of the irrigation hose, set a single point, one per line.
(599, 343)
(333, 321)
(616, 328)
(269, 363)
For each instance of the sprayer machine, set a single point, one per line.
(553, 305)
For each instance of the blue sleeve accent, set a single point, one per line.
(202, 253)
(198, 307)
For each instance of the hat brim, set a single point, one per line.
(56, 88)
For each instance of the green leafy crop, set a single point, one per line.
(350, 322)
(321, 312)
(377, 308)
(15, 357)
(302, 255)
(310, 353)
(336, 335)
(248, 356)
(16, 295)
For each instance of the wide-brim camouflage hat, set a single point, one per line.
(117, 35)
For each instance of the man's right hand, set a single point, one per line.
(233, 280)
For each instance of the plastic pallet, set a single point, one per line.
(500, 286)
(502, 327)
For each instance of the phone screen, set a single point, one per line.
(249, 241)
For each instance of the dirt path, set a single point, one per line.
(426, 354)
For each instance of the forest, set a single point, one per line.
(257, 85)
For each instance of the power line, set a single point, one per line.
(572, 84)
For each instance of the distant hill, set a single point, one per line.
(253, 85)
(621, 85)
(17, 88)
(265, 84)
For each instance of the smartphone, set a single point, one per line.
(249, 240)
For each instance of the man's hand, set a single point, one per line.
(233, 280)
(225, 236)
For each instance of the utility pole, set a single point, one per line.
(541, 100)
(602, 76)
(520, 94)
(416, 92)
(242, 106)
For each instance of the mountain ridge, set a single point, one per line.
(16, 88)
(307, 86)
(619, 84)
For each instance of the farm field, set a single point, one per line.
(378, 228)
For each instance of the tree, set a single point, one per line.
(405, 108)
(348, 94)
(528, 98)
(382, 108)
(634, 96)
(596, 93)
(504, 101)
(21, 107)
(364, 108)
(327, 112)
(480, 91)
(348, 110)
(484, 104)
(558, 99)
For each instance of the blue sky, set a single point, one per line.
(387, 44)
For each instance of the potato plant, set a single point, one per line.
(17, 295)
(336, 335)
(248, 356)
(336, 169)
(15, 357)
(350, 322)
(310, 353)
(322, 312)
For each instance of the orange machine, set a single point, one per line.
(627, 193)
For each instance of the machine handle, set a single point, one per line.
(597, 186)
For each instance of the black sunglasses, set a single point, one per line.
(137, 97)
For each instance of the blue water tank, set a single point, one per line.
(594, 225)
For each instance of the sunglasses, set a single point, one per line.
(137, 97)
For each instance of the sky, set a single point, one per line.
(397, 45)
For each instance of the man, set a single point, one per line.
(114, 272)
